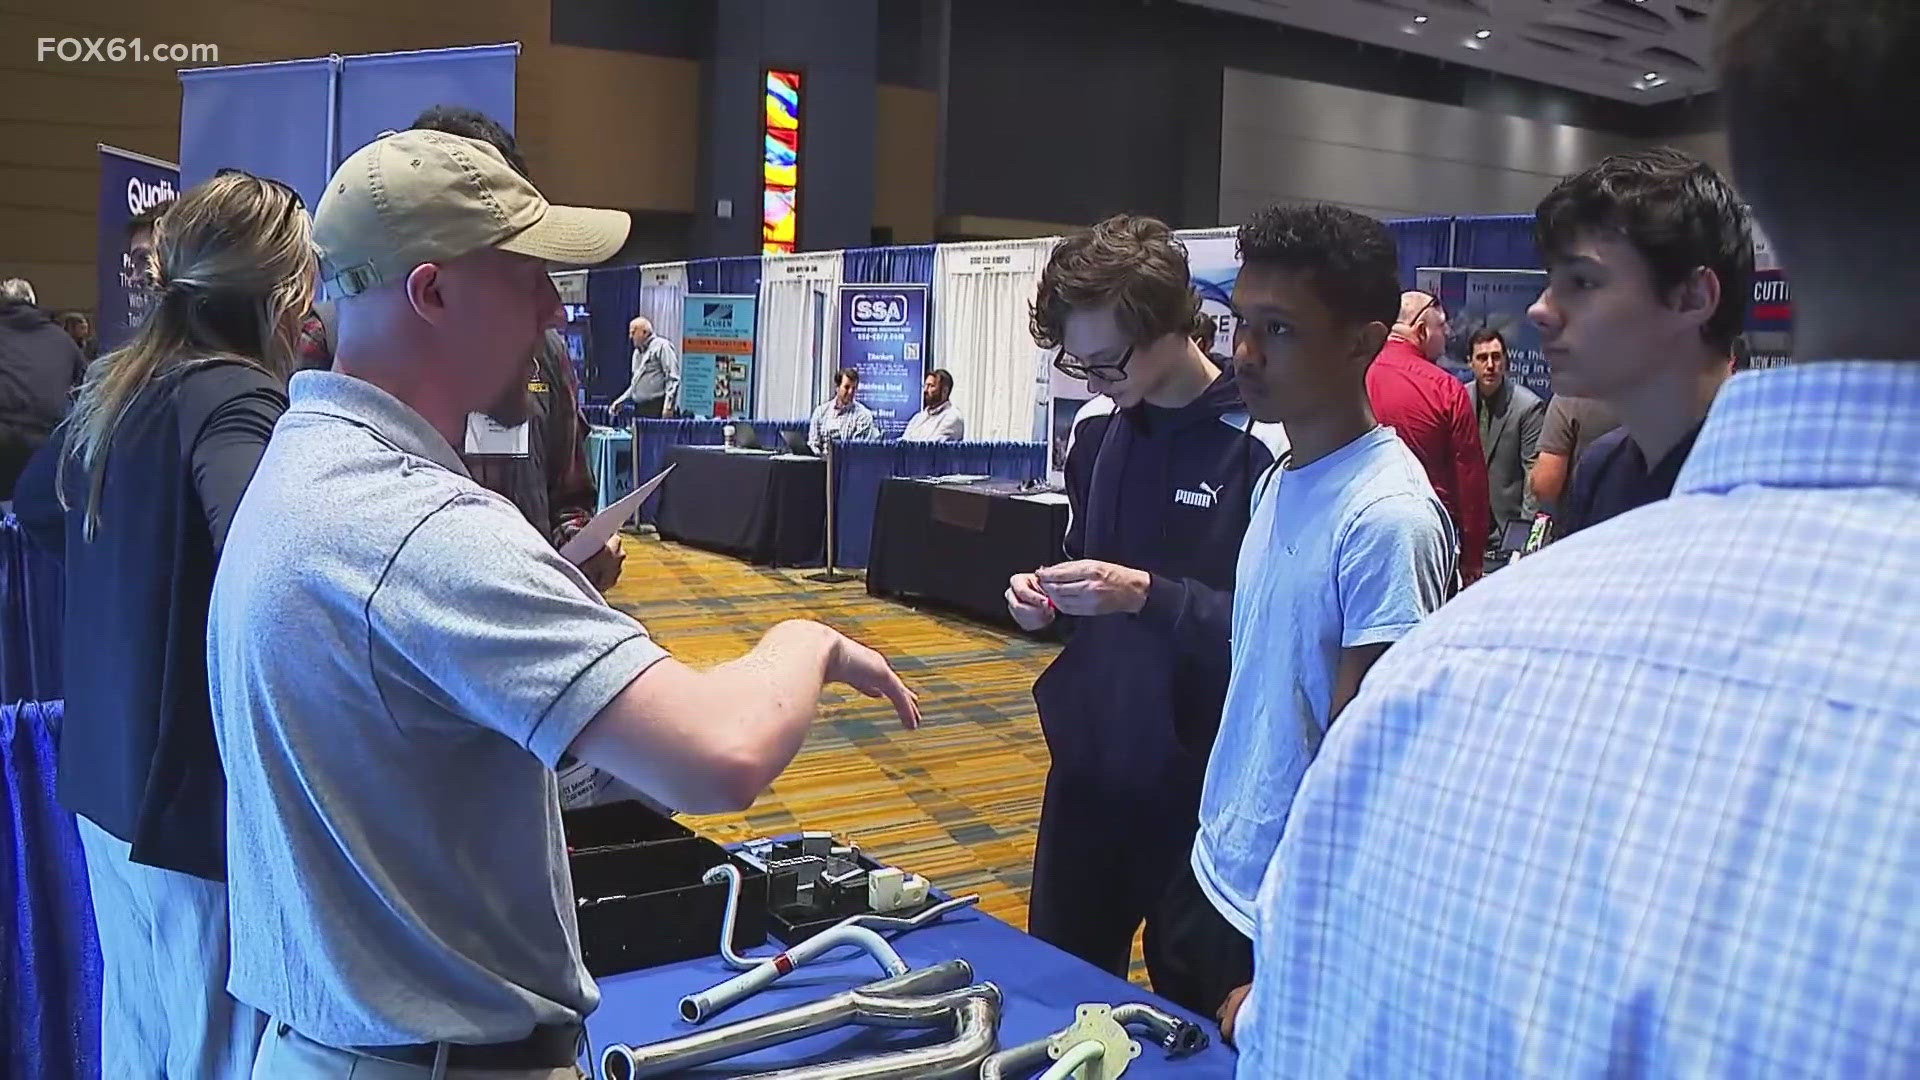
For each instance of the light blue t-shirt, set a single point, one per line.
(1351, 550)
(398, 660)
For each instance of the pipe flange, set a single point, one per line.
(1096, 1023)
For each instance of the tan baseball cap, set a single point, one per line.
(412, 197)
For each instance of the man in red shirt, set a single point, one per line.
(1430, 410)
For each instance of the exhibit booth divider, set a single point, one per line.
(1422, 241)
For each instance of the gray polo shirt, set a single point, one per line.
(397, 662)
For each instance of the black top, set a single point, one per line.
(137, 751)
(39, 366)
(1130, 706)
(1612, 478)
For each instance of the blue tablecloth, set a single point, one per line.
(1041, 984)
(50, 975)
(32, 616)
(610, 459)
(659, 437)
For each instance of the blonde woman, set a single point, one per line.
(162, 441)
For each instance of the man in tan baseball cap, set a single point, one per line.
(398, 660)
(438, 232)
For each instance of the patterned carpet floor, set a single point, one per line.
(958, 800)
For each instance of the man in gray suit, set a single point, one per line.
(1510, 416)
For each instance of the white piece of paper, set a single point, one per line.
(608, 521)
(486, 437)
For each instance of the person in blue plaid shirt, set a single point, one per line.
(1648, 803)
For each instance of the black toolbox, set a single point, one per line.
(793, 921)
(636, 879)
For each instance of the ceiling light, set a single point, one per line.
(1419, 18)
(1483, 34)
(1652, 75)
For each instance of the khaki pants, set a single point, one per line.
(285, 1054)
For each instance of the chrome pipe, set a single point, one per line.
(933, 914)
(1180, 1038)
(976, 1032)
(697, 1007)
(731, 874)
(873, 1005)
(1013, 1061)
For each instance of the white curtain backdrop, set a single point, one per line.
(980, 297)
(798, 343)
(663, 299)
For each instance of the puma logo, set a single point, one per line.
(1204, 498)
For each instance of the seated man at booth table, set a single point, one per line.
(937, 420)
(840, 417)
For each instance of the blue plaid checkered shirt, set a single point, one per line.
(1646, 804)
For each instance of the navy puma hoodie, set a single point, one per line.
(1131, 704)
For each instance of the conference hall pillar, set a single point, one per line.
(830, 45)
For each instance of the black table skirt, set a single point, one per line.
(958, 544)
(766, 508)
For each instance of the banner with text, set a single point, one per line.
(1476, 299)
(1769, 327)
(130, 184)
(883, 336)
(716, 358)
(1213, 263)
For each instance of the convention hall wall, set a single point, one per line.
(1063, 111)
(608, 127)
(1023, 114)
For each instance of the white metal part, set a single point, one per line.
(890, 889)
(913, 890)
(883, 888)
(1094, 1023)
(1090, 1053)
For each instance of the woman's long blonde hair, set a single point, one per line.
(236, 271)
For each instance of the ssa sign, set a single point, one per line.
(883, 336)
(880, 311)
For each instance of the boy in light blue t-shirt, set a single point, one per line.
(1347, 548)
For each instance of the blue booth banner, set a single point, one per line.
(716, 356)
(1474, 299)
(273, 120)
(385, 91)
(295, 120)
(883, 336)
(130, 184)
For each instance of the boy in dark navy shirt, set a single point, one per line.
(1160, 470)
(1649, 266)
